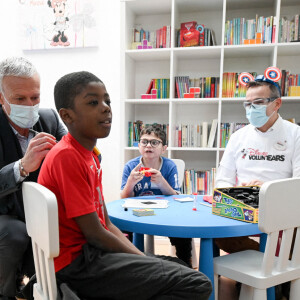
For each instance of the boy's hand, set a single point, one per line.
(156, 177)
(135, 175)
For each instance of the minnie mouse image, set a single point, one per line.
(59, 9)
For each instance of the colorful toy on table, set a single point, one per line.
(145, 171)
(240, 203)
(141, 212)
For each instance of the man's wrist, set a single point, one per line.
(23, 172)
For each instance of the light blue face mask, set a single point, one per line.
(257, 115)
(23, 116)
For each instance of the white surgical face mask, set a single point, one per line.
(257, 115)
(23, 116)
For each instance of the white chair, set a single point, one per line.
(279, 209)
(41, 216)
(180, 164)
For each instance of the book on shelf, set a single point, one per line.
(212, 133)
(192, 34)
(231, 86)
(226, 130)
(135, 128)
(260, 30)
(289, 30)
(160, 38)
(209, 86)
(196, 135)
(162, 87)
(200, 182)
(289, 84)
(204, 134)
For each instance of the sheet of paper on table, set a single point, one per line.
(147, 203)
(184, 199)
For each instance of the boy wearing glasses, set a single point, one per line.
(163, 179)
(266, 149)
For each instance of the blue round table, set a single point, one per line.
(179, 220)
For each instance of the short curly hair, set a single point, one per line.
(157, 130)
(69, 86)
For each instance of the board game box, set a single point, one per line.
(239, 203)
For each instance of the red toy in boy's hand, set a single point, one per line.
(145, 171)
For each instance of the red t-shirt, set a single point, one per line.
(74, 175)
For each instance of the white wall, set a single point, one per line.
(103, 61)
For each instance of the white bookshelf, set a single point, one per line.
(138, 67)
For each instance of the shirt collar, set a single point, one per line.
(161, 163)
(274, 128)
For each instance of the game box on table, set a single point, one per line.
(240, 203)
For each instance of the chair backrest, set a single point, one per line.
(279, 209)
(41, 216)
(180, 164)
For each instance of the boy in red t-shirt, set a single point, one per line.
(96, 259)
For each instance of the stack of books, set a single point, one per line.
(135, 128)
(162, 87)
(231, 85)
(160, 38)
(289, 30)
(209, 86)
(200, 182)
(226, 130)
(289, 84)
(196, 135)
(260, 30)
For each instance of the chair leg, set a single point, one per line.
(216, 286)
(172, 250)
(149, 247)
(246, 292)
(195, 262)
(295, 289)
(259, 294)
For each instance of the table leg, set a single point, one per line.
(138, 241)
(206, 263)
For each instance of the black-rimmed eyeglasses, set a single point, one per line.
(154, 143)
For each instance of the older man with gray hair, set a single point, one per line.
(27, 133)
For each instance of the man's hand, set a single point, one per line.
(253, 182)
(37, 149)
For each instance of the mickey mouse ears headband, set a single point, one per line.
(271, 75)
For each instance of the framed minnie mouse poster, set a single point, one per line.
(57, 24)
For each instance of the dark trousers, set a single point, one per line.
(183, 247)
(16, 257)
(96, 274)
